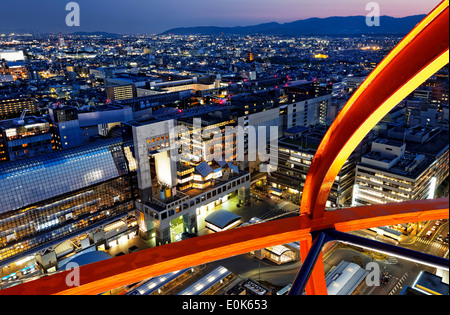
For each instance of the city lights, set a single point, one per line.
(305, 157)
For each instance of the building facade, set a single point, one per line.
(65, 195)
(390, 173)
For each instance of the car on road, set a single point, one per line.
(385, 278)
(28, 270)
(439, 238)
(10, 277)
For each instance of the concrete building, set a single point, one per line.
(165, 200)
(14, 106)
(24, 137)
(389, 173)
(295, 154)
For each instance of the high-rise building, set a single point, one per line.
(295, 154)
(61, 41)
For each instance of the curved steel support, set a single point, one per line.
(419, 55)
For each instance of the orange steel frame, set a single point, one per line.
(420, 54)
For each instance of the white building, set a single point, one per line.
(12, 55)
(390, 174)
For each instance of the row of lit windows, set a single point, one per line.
(60, 232)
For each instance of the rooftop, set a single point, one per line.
(30, 120)
(222, 218)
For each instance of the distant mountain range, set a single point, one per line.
(351, 25)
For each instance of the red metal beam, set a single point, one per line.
(316, 284)
(414, 60)
(119, 271)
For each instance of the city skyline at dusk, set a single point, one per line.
(155, 17)
(242, 149)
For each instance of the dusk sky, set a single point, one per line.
(151, 16)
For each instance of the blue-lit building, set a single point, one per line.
(66, 127)
(73, 194)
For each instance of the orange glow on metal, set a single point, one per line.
(316, 285)
(119, 271)
(419, 55)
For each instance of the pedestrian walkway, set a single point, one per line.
(399, 284)
(432, 243)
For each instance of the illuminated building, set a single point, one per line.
(427, 47)
(250, 57)
(177, 191)
(321, 56)
(65, 195)
(222, 220)
(66, 127)
(16, 69)
(24, 137)
(389, 173)
(295, 154)
(61, 41)
(121, 92)
(72, 126)
(13, 107)
(11, 55)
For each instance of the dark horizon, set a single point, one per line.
(136, 17)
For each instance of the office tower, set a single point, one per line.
(295, 153)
